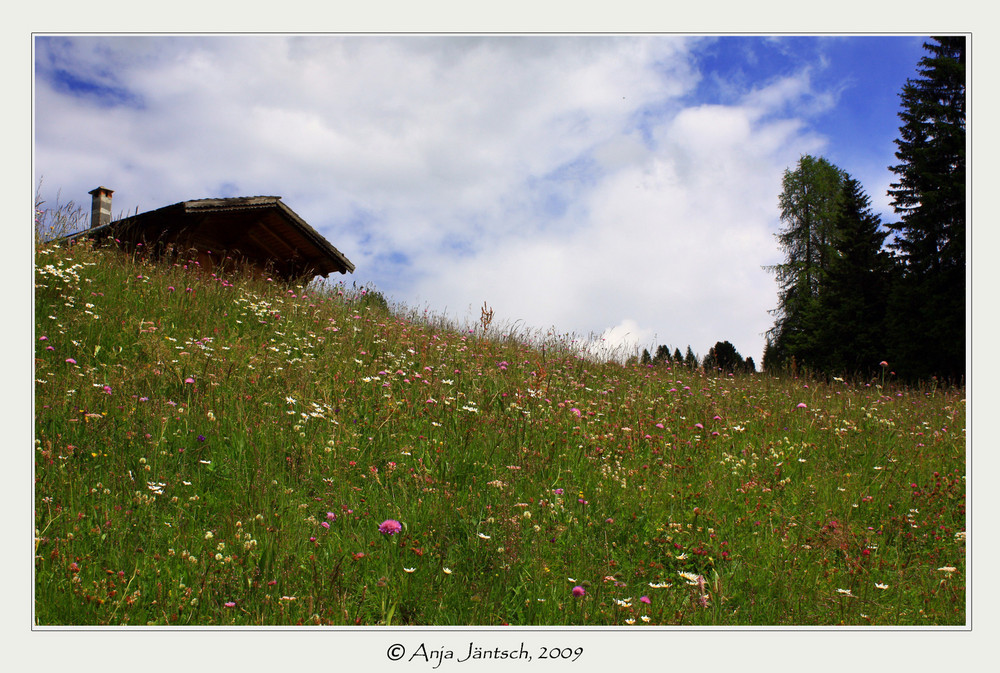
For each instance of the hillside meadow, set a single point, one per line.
(221, 449)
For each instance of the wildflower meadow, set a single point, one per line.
(224, 449)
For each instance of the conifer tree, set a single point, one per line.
(849, 334)
(927, 311)
(725, 357)
(810, 202)
(690, 359)
(770, 362)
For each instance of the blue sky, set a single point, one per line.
(620, 187)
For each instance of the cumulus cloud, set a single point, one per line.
(669, 243)
(571, 182)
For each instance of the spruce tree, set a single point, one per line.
(727, 353)
(930, 194)
(928, 303)
(771, 362)
(850, 337)
(690, 359)
(726, 357)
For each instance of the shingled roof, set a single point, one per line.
(260, 230)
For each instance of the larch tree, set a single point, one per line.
(810, 202)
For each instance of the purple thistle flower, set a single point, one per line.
(579, 591)
(390, 527)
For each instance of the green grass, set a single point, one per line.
(221, 451)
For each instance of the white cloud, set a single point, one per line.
(672, 243)
(566, 181)
(622, 341)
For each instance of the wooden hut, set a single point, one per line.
(260, 231)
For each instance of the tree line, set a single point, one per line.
(722, 357)
(855, 292)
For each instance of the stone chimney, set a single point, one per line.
(100, 209)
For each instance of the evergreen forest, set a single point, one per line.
(858, 295)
